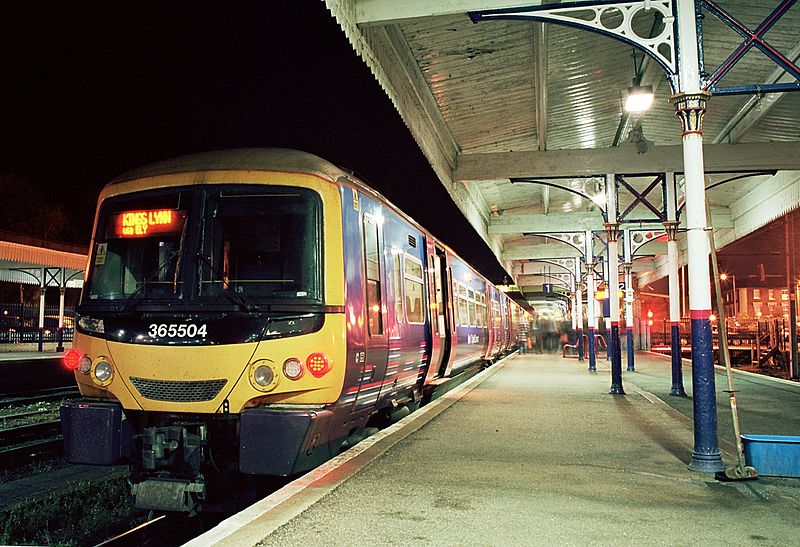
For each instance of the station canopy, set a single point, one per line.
(22, 259)
(522, 119)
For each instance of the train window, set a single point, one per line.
(373, 273)
(262, 245)
(413, 290)
(138, 251)
(473, 317)
(463, 310)
(398, 289)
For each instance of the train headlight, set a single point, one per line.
(263, 375)
(293, 368)
(84, 364)
(90, 325)
(102, 371)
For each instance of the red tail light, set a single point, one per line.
(317, 364)
(71, 359)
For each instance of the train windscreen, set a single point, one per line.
(263, 246)
(232, 243)
(138, 247)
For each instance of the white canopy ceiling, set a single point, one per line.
(498, 100)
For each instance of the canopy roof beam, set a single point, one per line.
(718, 158)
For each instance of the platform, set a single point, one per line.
(30, 350)
(534, 451)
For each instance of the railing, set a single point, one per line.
(764, 344)
(19, 323)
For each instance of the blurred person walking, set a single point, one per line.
(522, 335)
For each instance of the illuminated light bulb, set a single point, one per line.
(639, 98)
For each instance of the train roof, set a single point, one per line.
(246, 159)
(266, 159)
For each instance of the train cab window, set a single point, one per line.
(373, 275)
(262, 243)
(138, 248)
(413, 290)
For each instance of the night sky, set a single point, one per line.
(93, 89)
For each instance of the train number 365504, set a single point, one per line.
(173, 330)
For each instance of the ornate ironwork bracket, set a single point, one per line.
(603, 17)
(583, 195)
(640, 238)
(567, 264)
(573, 239)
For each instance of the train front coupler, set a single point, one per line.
(171, 457)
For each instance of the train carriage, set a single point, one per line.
(251, 312)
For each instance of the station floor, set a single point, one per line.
(534, 451)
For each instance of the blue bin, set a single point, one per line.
(773, 455)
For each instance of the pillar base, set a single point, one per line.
(677, 391)
(616, 361)
(705, 454)
(630, 350)
(706, 463)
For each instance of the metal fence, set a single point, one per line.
(20, 323)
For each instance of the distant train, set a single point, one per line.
(251, 312)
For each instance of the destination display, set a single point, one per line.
(146, 223)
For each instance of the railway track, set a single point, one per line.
(44, 395)
(164, 530)
(31, 442)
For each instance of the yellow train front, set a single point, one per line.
(210, 334)
(251, 312)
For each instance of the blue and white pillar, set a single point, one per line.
(607, 318)
(579, 300)
(612, 234)
(573, 312)
(671, 226)
(690, 106)
(628, 266)
(590, 303)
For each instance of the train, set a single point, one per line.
(252, 312)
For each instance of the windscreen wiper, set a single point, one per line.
(233, 296)
(126, 303)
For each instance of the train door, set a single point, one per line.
(441, 322)
(375, 342)
(491, 297)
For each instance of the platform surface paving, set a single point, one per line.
(540, 454)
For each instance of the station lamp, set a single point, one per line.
(638, 98)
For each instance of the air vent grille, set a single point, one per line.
(178, 392)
